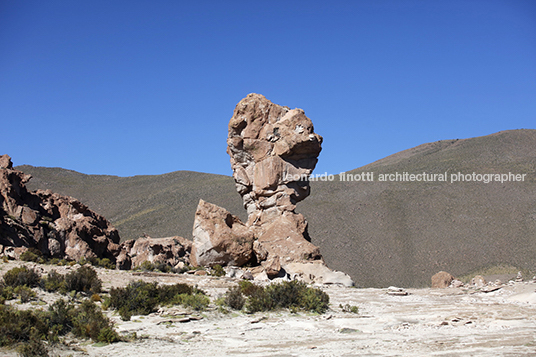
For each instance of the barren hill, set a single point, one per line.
(380, 232)
(158, 205)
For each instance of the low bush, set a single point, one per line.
(137, 298)
(53, 282)
(234, 298)
(84, 321)
(163, 267)
(293, 295)
(198, 302)
(33, 348)
(21, 276)
(17, 326)
(6, 292)
(141, 298)
(217, 270)
(248, 288)
(146, 266)
(59, 318)
(24, 293)
(259, 300)
(98, 262)
(313, 300)
(32, 255)
(84, 280)
(349, 308)
(166, 293)
(88, 321)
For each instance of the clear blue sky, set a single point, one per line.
(148, 87)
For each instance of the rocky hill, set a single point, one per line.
(380, 232)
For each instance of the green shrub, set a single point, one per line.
(24, 293)
(197, 302)
(84, 279)
(259, 300)
(33, 348)
(52, 261)
(30, 327)
(137, 298)
(163, 267)
(293, 295)
(314, 300)
(248, 288)
(147, 266)
(32, 255)
(21, 276)
(141, 298)
(105, 263)
(54, 281)
(217, 270)
(234, 298)
(98, 262)
(89, 322)
(6, 292)
(105, 302)
(286, 294)
(21, 325)
(166, 293)
(108, 335)
(349, 308)
(60, 318)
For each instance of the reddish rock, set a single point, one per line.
(170, 251)
(285, 237)
(273, 152)
(442, 280)
(272, 267)
(58, 226)
(220, 238)
(5, 162)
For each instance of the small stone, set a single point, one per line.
(478, 281)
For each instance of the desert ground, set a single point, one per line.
(425, 322)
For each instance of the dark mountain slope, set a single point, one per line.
(158, 205)
(381, 233)
(401, 233)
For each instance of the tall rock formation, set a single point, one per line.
(273, 151)
(58, 226)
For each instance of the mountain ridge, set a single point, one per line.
(381, 233)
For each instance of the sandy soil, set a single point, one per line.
(426, 322)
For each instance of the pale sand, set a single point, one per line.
(427, 322)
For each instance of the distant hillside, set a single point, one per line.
(381, 233)
(401, 233)
(158, 205)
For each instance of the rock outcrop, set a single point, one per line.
(63, 227)
(58, 226)
(442, 280)
(170, 251)
(220, 238)
(273, 151)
